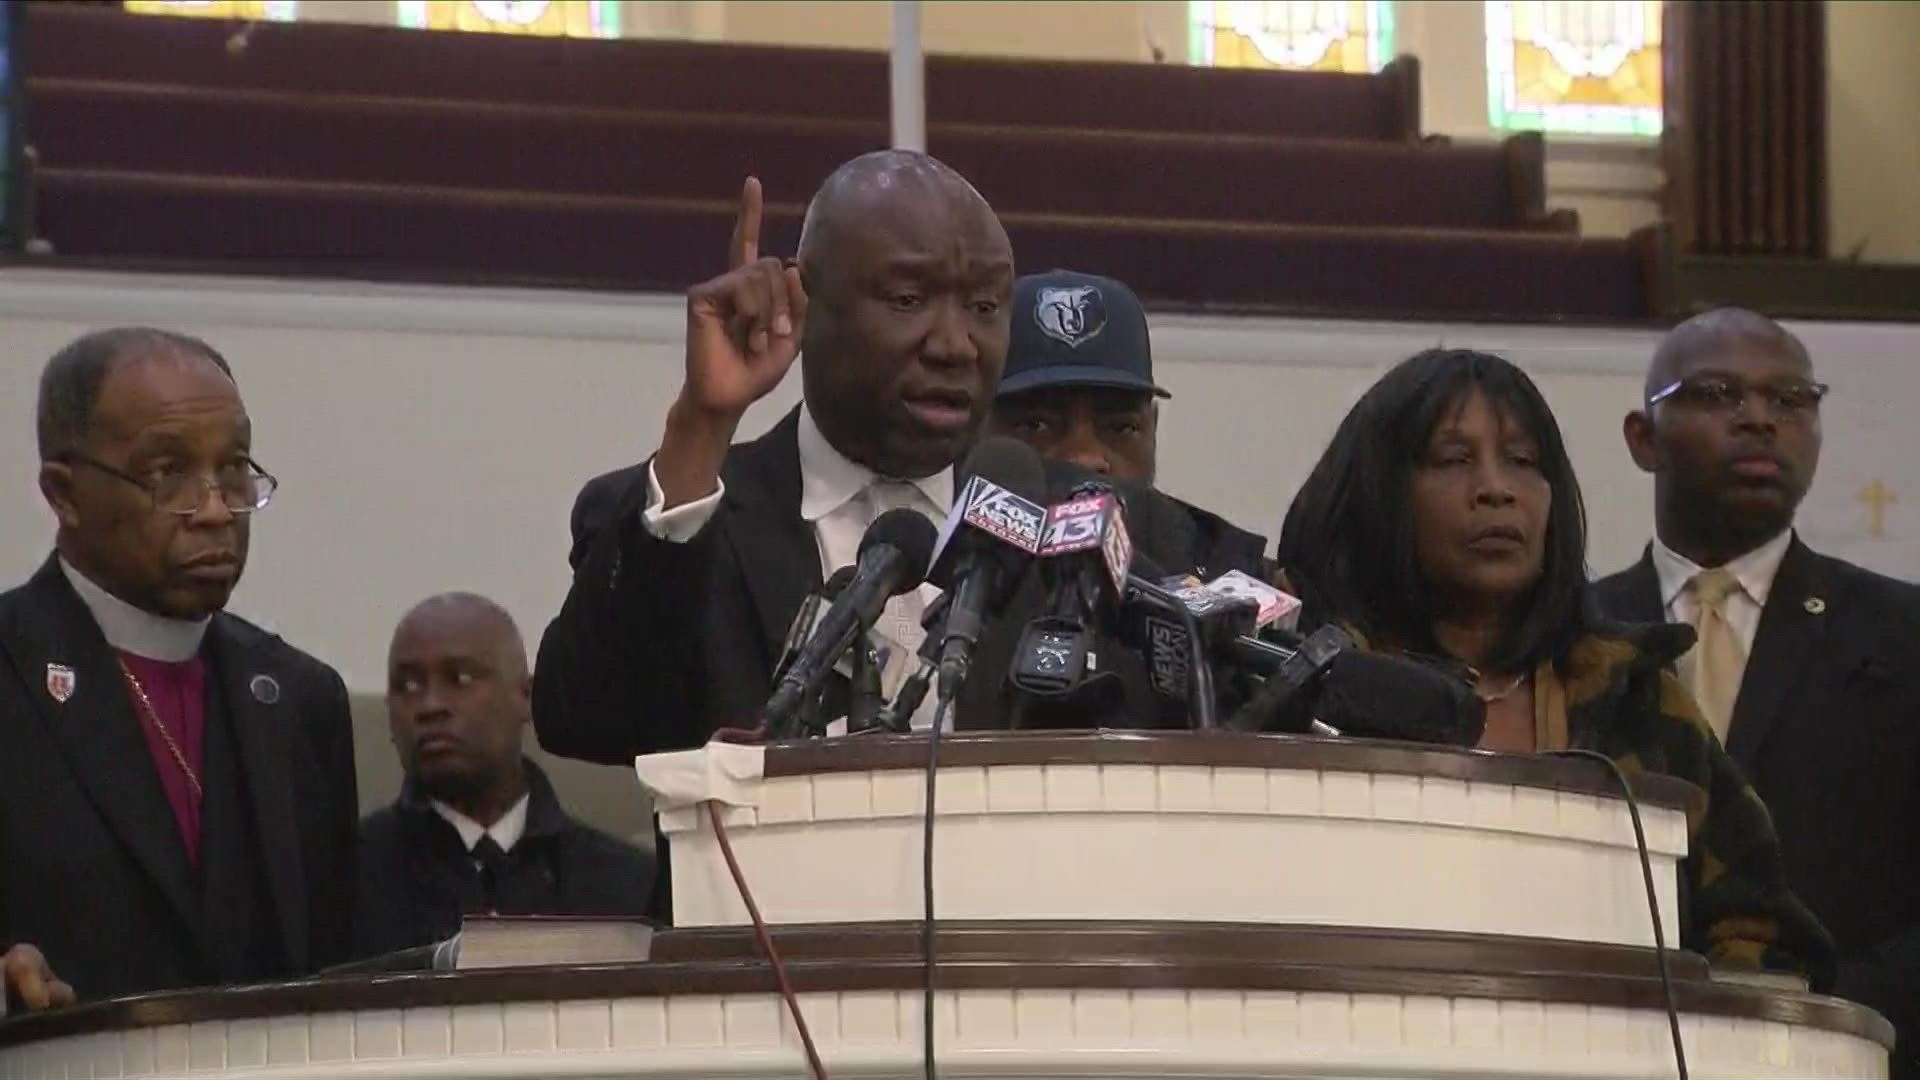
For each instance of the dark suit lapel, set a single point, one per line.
(1791, 626)
(98, 731)
(778, 554)
(256, 700)
(1634, 594)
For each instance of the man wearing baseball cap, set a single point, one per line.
(1079, 389)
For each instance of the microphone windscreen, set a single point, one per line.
(1157, 524)
(1009, 463)
(1383, 696)
(912, 535)
(837, 584)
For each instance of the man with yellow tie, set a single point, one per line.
(1808, 667)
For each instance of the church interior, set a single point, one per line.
(447, 246)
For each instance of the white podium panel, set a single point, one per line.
(1181, 1007)
(1002, 1034)
(1228, 906)
(1221, 828)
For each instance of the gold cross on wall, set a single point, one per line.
(1878, 497)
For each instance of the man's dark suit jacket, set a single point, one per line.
(1827, 726)
(659, 644)
(92, 866)
(417, 879)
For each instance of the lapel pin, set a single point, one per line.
(60, 682)
(1815, 606)
(266, 689)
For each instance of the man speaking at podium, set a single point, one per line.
(689, 569)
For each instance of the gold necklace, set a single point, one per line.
(166, 736)
(1500, 695)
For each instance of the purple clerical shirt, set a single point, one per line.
(178, 692)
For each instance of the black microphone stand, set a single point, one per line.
(897, 717)
(864, 701)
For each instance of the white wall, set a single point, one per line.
(434, 438)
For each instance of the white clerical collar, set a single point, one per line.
(506, 832)
(829, 479)
(1754, 570)
(131, 630)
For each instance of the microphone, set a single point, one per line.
(898, 715)
(1317, 683)
(893, 559)
(807, 619)
(831, 698)
(1277, 607)
(1176, 643)
(865, 697)
(994, 527)
(1085, 552)
(1085, 555)
(1327, 687)
(1372, 695)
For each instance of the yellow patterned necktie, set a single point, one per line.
(1713, 669)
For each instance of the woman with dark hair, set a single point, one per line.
(1444, 519)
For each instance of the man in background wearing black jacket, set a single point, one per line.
(1079, 389)
(477, 828)
(1807, 666)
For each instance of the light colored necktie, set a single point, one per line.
(899, 621)
(1713, 669)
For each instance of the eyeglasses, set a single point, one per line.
(243, 486)
(1724, 393)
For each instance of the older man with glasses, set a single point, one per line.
(1807, 666)
(177, 800)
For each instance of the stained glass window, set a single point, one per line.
(541, 18)
(1588, 66)
(268, 10)
(1330, 35)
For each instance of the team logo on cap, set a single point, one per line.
(1073, 315)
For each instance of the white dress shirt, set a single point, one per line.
(506, 832)
(1754, 571)
(840, 498)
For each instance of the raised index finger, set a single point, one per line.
(746, 227)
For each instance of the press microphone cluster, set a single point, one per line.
(976, 557)
(894, 555)
(1220, 646)
(1318, 683)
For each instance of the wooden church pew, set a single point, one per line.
(89, 124)
(694, 77)
(384, 231)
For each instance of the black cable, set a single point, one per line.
(926, 886)
(1653, 900)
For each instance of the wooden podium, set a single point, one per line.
(1112, 905)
